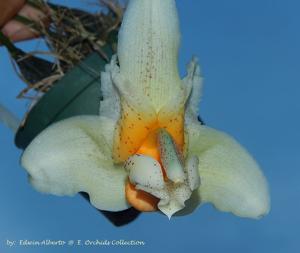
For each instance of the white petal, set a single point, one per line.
(148, 49)
(144, 170)
(110, 105)
(136, 120)
(230, 178)
(134, 97)
(74, 155)
(194, 80)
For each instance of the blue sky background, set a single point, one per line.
(250, 57)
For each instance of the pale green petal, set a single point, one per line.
(74, 155)
(230, 178)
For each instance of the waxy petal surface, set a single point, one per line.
(75, 155)
(230, 178)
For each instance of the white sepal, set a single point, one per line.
(74, 155)
(230, 178)
(148, 49)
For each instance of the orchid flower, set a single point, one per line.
(146, 148)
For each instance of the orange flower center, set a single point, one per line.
(139, 199)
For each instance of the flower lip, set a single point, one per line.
(146, 174)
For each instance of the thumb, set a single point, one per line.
(8, 9)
